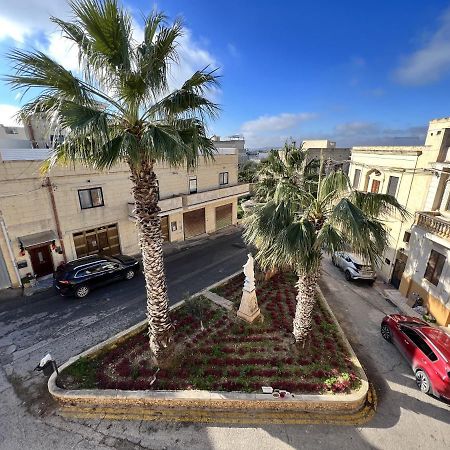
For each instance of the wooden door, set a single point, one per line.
(397, 273)
(224, 215)
(165, 228)
(194, 223)
(375, 186)
(41, 260)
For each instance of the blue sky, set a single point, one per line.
(356, 72)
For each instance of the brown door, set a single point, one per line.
(165, 228)
(375, 186)
(103, 240)
(41, 260)
(194, 223)
(399, 268)
(224, 216)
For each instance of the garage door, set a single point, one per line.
(103, 240)
(165, 228)
(224, 216)
(194, 223)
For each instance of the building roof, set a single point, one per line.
(401, 149)
(24, 154)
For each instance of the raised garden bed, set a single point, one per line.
(228, 354)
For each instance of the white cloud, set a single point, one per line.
(191, 58)
(432, 61)
(280, 122)
(62, 50)
(7, 113)
(19, 21)
(265, 130)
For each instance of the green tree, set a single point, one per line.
(249, 172)
(293, 229)
(121, 109)
(287, 165)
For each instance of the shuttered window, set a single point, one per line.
(356, 178)
(392, 186)
(434, 268)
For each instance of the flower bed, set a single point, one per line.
(216, 351)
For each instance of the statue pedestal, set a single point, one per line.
(248, 309)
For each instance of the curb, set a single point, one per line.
(205, 406)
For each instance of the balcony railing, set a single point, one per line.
(434, 222)
(166, 204)
(215, 194)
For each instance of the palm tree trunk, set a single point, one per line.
(306, 298)
(145, 192)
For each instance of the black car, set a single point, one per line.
(78, 277)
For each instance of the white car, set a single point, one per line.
(354, 267)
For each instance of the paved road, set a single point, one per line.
(31, 327)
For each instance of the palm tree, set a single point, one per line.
(288, 165)
(121, 109)
(294, 228)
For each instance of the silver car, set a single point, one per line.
(354, 267)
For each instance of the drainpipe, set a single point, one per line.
(55, 215)
(10, 250)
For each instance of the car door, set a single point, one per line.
(406, 343)
(113, 270)
(98, 274)
(339, 259)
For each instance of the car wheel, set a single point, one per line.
(386, 332)
(348, 276)
(423, 382)
(82, 291)
(130, 274)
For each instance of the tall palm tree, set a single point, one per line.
(294, 228)
(121, 109)
(288, 165)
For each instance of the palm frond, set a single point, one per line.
(379, 205)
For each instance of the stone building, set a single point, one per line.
(417, 177)
(74, 212)
(335, 157)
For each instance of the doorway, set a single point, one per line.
(399, 268)
(194, 223)
(41, 260)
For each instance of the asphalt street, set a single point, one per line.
(32, 326)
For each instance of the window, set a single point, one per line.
(434, 267)
(407, 236)
(91, 198)
(392, 186)
(192, 185)
(420, 343)
(375, 186)
(223, 178)
(356, 178)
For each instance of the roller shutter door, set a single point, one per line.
(224, 215)
(165, 228)
(194, 223)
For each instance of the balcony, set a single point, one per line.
(433, 222)
(166, 204)
(216, 194)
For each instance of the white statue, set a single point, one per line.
(249, 272)
(248, 309)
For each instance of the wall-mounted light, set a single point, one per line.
(53, 245)
(22, 249)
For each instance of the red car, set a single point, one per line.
(426, 348)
